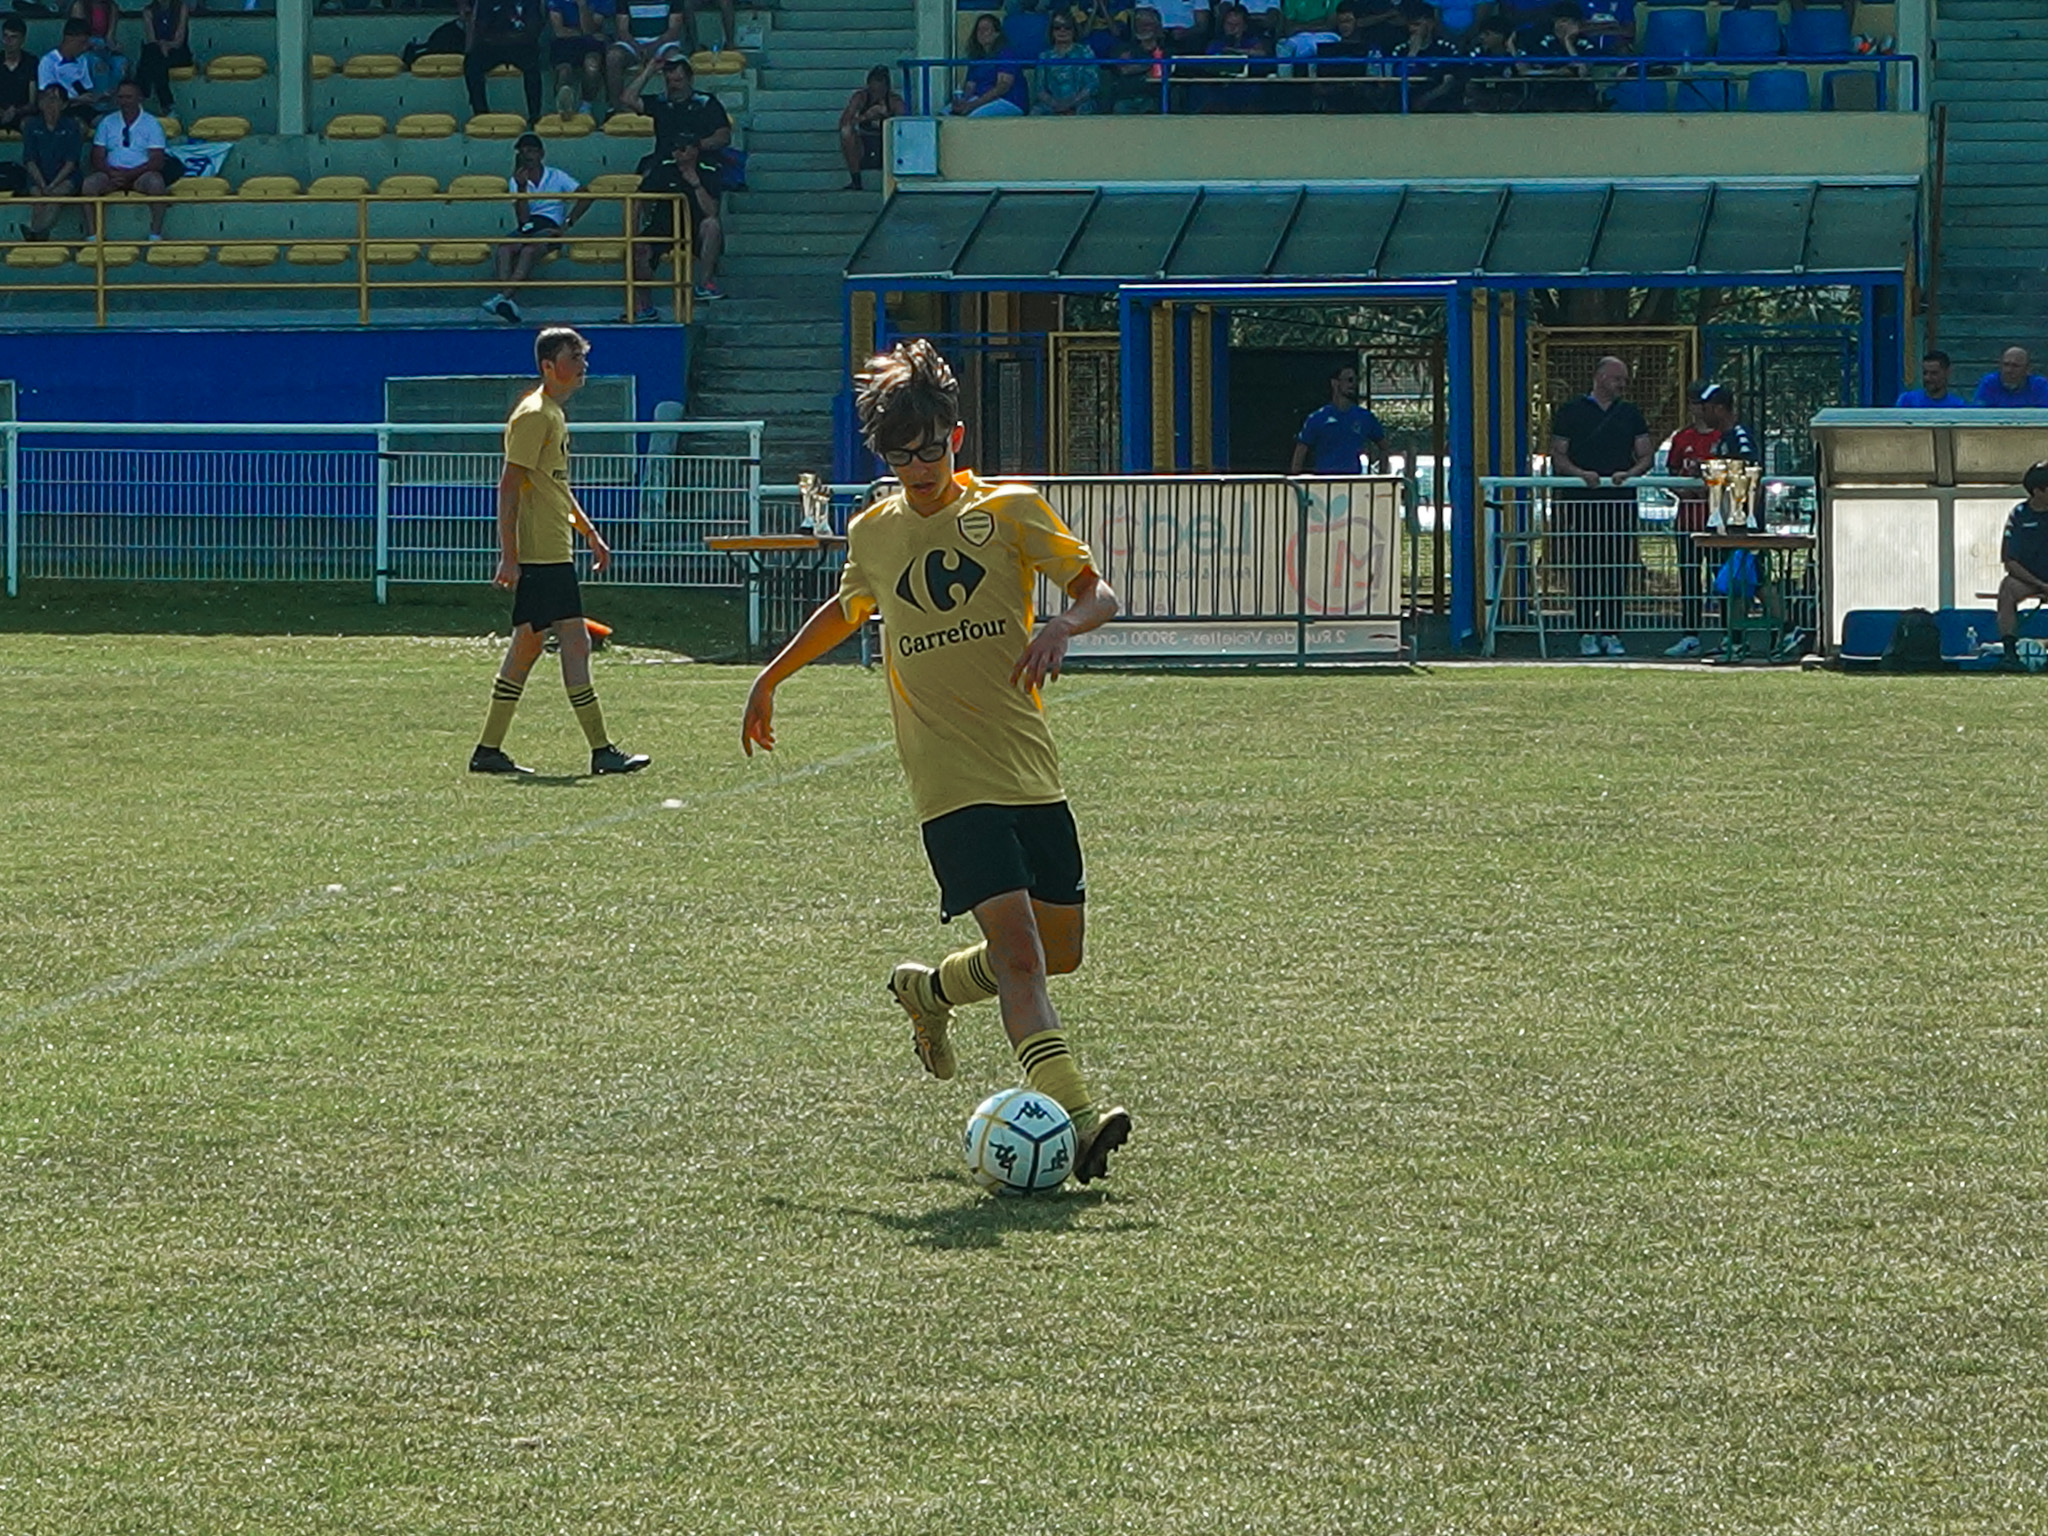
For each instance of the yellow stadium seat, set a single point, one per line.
(702, 60)
(408, 184)
(726, 62)
(392, 253)
(183, 71)
(479, 181)
(173, 129)
(503, 72)
(495, 125)
(438, 66)
(221, 129)
(598, 252)
(319, 254)
(427, 125)
(200, 186)
(457, 253)
(255, 255)
(178, 254)
(38, 256)
(321, 66)
(97, 255)
(615, 181)
(356, 125)
(629, 125)
(577, 125)
(10, 135)
(339, 186)
(374, 66)
(268, 188)
(236, 66)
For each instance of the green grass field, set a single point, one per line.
(1568, 1101)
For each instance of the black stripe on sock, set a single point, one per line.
(579, 700)
(1033, 1055)
(977, 968)
(502, 689)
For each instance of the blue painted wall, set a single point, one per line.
(296, 375)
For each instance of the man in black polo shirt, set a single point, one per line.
(1604, 441)
(2024, 552)
(681, 113)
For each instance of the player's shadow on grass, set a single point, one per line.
(981, 1221)
(553, 780)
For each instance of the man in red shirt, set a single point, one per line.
(1691, 445)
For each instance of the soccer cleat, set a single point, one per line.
(1589, 645)
(1112, 1130)
(609, 759)
(504, 309)
(1689, 646)
(915, 987)
(1611, 644)
(494, 760)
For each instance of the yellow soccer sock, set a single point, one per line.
(965, 977)
(589, 716)
(1049, 1069)
(504, 699)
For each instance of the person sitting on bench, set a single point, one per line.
(2024, 553)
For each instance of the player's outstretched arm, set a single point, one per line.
(1093, 605)
(822, 631)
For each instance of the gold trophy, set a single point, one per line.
(816, 498)
(1715, 473)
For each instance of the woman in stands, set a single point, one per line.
(165, 24)
(1068, 74)
(995, 80)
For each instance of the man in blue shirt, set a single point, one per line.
(1933, 393)
(2014, 386)
(2024, 554)
(1340, 433)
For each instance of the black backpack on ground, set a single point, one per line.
(1915, 645)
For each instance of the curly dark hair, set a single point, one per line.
(905, 395)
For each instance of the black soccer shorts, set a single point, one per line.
(981, 851)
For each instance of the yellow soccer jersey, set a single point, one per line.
(955, 590)
(537, 440)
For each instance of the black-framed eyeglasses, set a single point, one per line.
(930, 453)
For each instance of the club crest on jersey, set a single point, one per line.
(976, 527)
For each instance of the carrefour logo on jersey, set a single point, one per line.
(948, 579)
(938, 639)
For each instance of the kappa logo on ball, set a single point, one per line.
(976, 527)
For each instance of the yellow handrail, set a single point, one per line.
(363, 285)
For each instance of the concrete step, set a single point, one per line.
(804, 366)
(827, 250)
(776, 78)
(830, 97)
(1994, 112)
(1993, 151)
(2016, 50)
(852, 61)
(2002, 71)
(1987, 10)
(1960, 204)
(740, 216)
(1951, 33)
(773, 178)
(836, 20)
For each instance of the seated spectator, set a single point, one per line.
(2023, 551)
(1332, 92)
(1381, 25)
(503, 32)
(576, 49)
(1933, 393)
(129, 154)
(1493, 80)
(726, 20)
(65, 66)
(2013, 385)
(647, 27)
(682, 175)
(860, 124)
(1529, 18)
(1263, 17)
(1101, 27)
(1186, 22)
(17, 75)
(994, 86)
(53, 156)
(541, 214)
(1435, 83)
(1235, 46)
(1134, 78)
(165, 25)
(1068, 74)
(102, 19)
(1608, 27)
(1557, 74)
(681, 113)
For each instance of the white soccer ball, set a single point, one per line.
(1019, 1143)
(2032, 654)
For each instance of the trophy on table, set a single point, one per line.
(1731, 494)
(816, 497)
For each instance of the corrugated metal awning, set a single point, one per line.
(1710, 230)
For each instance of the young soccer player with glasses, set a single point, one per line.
(951, 563)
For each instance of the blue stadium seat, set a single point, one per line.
(1708, 94)
(1780, 90)
(1867, 631)
(1027, 33)
(1674, 34)
(1817, 30)
(1748, 35)
(1955, 625)
(1633, 95)
(1850, 90)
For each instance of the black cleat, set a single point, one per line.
(1112, 1130)
(609, 759)
(494, 760)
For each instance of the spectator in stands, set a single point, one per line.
(647, 27)
(1609, 26)
(53, 155)
(1557, 66)
(543, 214)
(1068, 73)
(860, 124)
(165, 27)
(1435, 82)
(1102, 27)
(1493, 79)
(504, 32)
(682, 176)
(682, 113)
(1529, 18)
(726, 20)
(1381, 25)
(1132, 84)
(1691, 446)
(1933, 393)
(1332, 90)
(1603, 440)
(1236, 44)
(994, 86)
(2013, 385)
(2023, 551)
(1263, 16)
(65, 66)
(103, 53)
(129, 154)
(1186, 23)
(576, 49)
(1342, 433)
(1307, 24)
(17, 75)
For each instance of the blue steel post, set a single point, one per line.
(1134, 379)
(1463, 483)
(1866, 346)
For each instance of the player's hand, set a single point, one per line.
(507, 574)
(758, 728)
(1592, 480)
(600, 556)
(1621, 477)
(1042, 658)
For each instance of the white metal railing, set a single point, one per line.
(376, 502)
(1631, 571)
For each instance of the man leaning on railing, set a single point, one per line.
(1602, 439)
